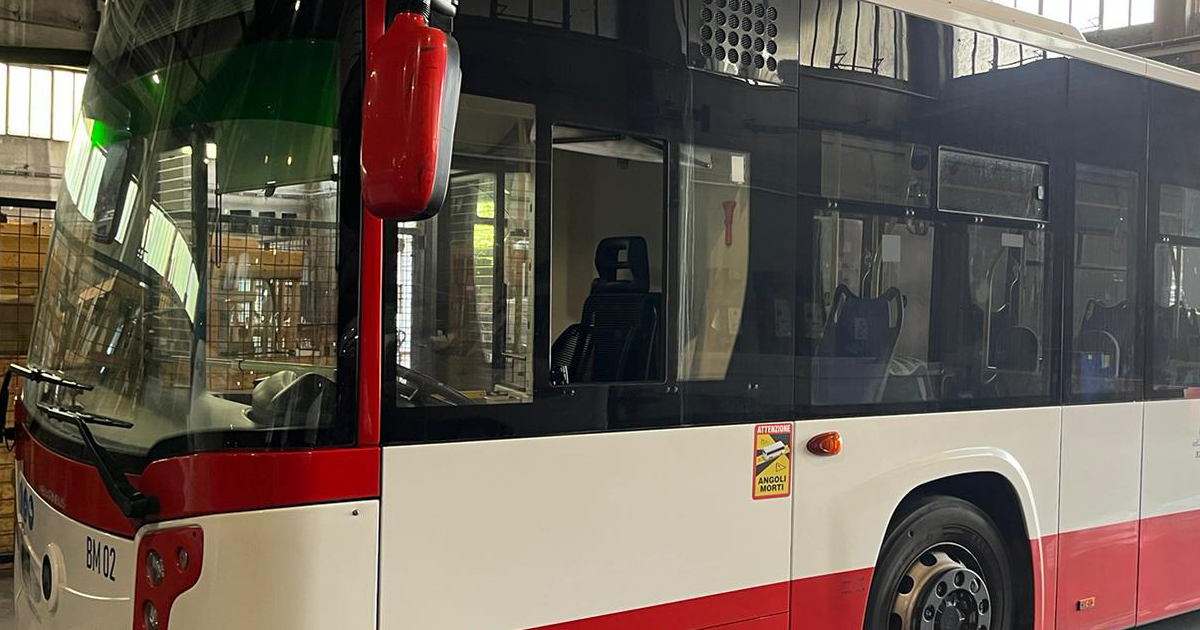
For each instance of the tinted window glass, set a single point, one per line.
(197, 276)
(874, 280)
(1176, 339)
(464, 280)
(738, 254)
(1105, 350)
(607, 249)
(715, 261)
(1009, 311)
(1105, 356)
(1179, 210)
(932, 271)
(1174, 188)
(876, 170)
(987, 184)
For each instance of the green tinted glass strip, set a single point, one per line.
(291, 80)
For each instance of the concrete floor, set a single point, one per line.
(1186, 622)
(6, 603)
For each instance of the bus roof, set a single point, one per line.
(1009, 23)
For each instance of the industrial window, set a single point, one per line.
(1090, 15)
(976, 53)
(590, 17)
(39, 102)
(854, 36)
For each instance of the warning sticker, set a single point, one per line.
(772, 460)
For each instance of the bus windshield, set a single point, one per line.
(192, 277)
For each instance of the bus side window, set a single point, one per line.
(464, 279)
(1174, 320)
(873, 278)
(931, 283)
(715, 260)
(607, 255)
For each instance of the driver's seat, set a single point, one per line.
(616, 337)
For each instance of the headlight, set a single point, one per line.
(154, 568)
(150, 616)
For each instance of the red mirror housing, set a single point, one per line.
(410, 107)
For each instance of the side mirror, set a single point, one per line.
(410, 107)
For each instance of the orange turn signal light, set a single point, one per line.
(826, 444)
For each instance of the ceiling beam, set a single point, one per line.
(45, 56)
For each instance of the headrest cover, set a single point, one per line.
(622, 253)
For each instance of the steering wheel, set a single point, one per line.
(422, 390)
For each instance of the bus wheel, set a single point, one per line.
(944, 567)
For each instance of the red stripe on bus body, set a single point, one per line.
(1044, 555)
(235, 481)
(774, 622)
(203, 483)
(73, 488)
(756, 608)
(1097, 577)
(1169, 566)
(837, 601)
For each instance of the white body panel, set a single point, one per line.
(83, 599)
(1101, 467)
(296, 568)
(1169, 559)
(1171, 475)
(304, 568)
(844, 503)
(1098, 516)
(524, 533)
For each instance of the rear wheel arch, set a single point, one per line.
(995, 496)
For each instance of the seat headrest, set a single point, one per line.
(619, 253)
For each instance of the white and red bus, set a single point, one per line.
(738, 314)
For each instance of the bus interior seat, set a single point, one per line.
(1002, 319)
(1117, 321)
(1098, 361)
(1017, 350)
(908, 380)
(287, 398)
(1177, 334)
(562, 353)
(1017, 360)
(855, 352)
(615, 341)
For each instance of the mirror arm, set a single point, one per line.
(445, 8)
(448, 8)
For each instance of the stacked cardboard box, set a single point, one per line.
(23, 246)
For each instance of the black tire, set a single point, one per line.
(958, 530)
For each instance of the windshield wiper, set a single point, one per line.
(61, 413)
(31, 374)
(132, 502)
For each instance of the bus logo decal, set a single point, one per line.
(772, 460)
(25, 505)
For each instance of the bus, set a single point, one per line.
(600, 314)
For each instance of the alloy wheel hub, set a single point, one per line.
(940, 592)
